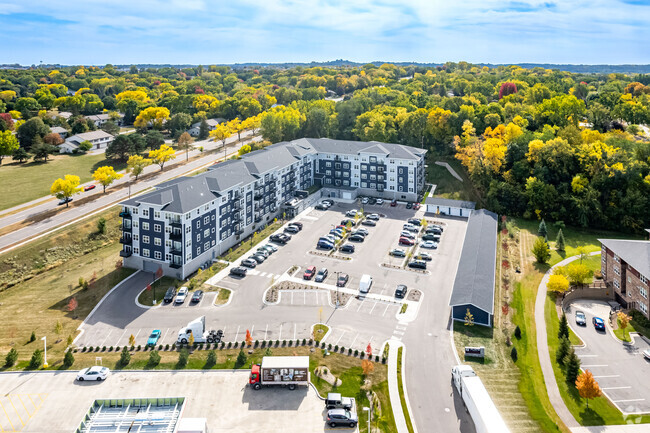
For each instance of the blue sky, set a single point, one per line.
(231, 31)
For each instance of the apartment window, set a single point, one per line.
(644, 280)
(145, 212)
(212, 217)
(168, 243)
(188, 216)
(168, 229)
(617, 284)
(198, 251)
(157, 255)
(135, 211)
(156, 214)
(617, 270)
(145, 239)
(206, 207)
(136, 237)
(617, 259)
(188, 256)
(157, 228)
(206, 220)
(224, 235)
(188, 243)
(157, 242)
(643, 307)
(206, 233)
(136, 250)
(145, 252)
(145, 225)
(168, 257)
(223, 223)
(364, 184)
(198, 237)
(643, 292)
(188, 229)
(206, 246)
(328, 164)
(198, 224)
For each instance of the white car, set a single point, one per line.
(182, 294)
(364, 200)
(351, 213)
(380, 201)
(93, 373)
(429, 244)
(646, 354)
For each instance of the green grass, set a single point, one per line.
(400, 387)
(447, 186)
(33, 179)
(403, 309)
(624, 334)
(222, 296)
(251, 241)
(320, 331)
(160, 287)
(601, 411)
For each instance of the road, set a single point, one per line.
(111, 196)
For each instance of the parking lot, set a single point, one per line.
(621, 370)
(54, 402)
(361, 322)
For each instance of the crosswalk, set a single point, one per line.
(400, 330)
(263, 274)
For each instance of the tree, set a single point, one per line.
(85, 146)
(154, 116)
(132, 340)
(367, 367)
(125, 356)
(204, 130)
(136, 165)
(623, 319)
(571, 366)
(507, 89)
(557, 283)
(513, 354)
(184, 142)
(249, 338)
(28, 131)
(11, 357)
(37, 359)
(587, 386)
(27, 107)
(183, 357)
(154, 358)
(469, 318)
(42, 151)
(578, 274)
(178, 124)
(221, 133)
(162, 155)
(211, 359)
(106, 175)
(541, 230)
(101, 225)
(563, 331)
(8, 144)
(246, 148)
(66, 187)
(20, 155)
(58, 327)
(541, 251)
(68, 358)
(53, 139)
(559, 241)
(111, 127)
(190, 341)
(72, 305)
(154, 139)
(241, 359)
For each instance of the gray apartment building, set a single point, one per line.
(189, 221)
(625, 265)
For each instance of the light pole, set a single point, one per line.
(44, 351)
(338, 275)
(365, 408)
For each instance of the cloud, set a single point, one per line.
(199, 31)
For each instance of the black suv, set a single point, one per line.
(238, 271)
(169, 295)
(418, 264)
(400, 292)
(280, 238)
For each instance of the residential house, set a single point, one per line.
(63, 133)
(195, 129)
(100, 119)
(99, 139)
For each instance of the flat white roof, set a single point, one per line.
(143, 415)
(285, 362)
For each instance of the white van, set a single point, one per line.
(365, 283)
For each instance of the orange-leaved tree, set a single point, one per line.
(587, 386)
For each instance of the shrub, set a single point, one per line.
(235, 345)
(336, 348)
(160, 347)
(110, 349)
(263, 343)
(11, 357)
(289, 342)
(37, 359)
(83, 349)
(125, 357)
(223, 344)
(68, 359)
(362, 355)
(562, 350)
(277, 343)
(211, 359)
(322, 346)
(518, 333)
(183, 356)
(349, 351)
(329, 346)
(513, 354)
(117, 348)
(376, 358)
(103, 348)
(173, 346)
(356, 352)
(304, 341)
(383, 360)
(154, 358)
(257, 343)
(241, 359)
(139, 347)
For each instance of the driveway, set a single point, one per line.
(54, 402)
(620, 369)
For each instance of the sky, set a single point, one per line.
(207, 32)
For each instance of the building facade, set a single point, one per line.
(99, 139)
(189, 221)
(625, 266)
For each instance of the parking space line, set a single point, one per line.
(398, 332)
(360, 304)
(373, 308)
(606, 376)
(587, 356)
(341, 336)
(109, 334)
(15, 410)
(632, 399)
(136, 335)
(304, 298)
(355, 339)
(617, 387)
(292, 297)
(165, 335)
(237, 334)
(593, 365)
(387, 306)
(280, 335)
(294, 331)
(8, 419)
(252, 330)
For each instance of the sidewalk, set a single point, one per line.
(393, 389)
(544, 355)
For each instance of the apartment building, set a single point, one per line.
(625, 265)
(189, 221)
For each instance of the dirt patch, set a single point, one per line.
(414, 295)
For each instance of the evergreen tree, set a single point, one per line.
(559, 241)
(541, 231)
(183, 357)
(37, 359)
(68, 359)
(11, 357)
(513, 354)
(563, 332)
(204, 130)
(571, 367)
(562, 350)
(125, 357)
(241, 359)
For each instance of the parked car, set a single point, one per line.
(365, 200)
(65, 200)
(414, 221)
(238, 271)
(393, 203)
(373, 216)
(580, 318)
(180, 297)
(400, 291)
(433, 230)
(356, 238)
(380, 201)
(360, 233)
(328, 202)
(336, 417)
(406, 241)
(351, 213)
(325, 244)
(89, 187)
(280, 238)
(96, 372)
(342, 280)
(397, 252)
(599, 323)
(249, 263)
(345, 222)
(153, 338)
(322, 206)
(418, 264)
(328, 238)
(371, 223)
(309, 273)
(347, 248)
(197, 296)
(429, 245)
(321, 275)
(646, 354)
(297, 224)
(416, 206)
(372, 200)
(409, 205)
(423, 256)
(362, 230)
(291, 229)
(430, 237)
(262, 252)
(258, 258)
(405, 234)
(169, 295)
(268, 248)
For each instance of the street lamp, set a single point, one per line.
(369, 414)
(44, 351)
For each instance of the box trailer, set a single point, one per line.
(480, 406)
(286, 371)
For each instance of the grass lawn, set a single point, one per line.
(40, 278)
(248, 243)
(39, 176)
(447, 186)
(159, 288)
(624, 334)
(400, 386)
(320, 331)
(222, 296)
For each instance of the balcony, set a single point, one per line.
(176, 236)
(176, 249)
(239, 230)
(258, 218)
(236, 205)
(126, 240)
(126, 227)
(176, 223)
(125, 214)
(126, 253)
(236, 217)
(175, 265)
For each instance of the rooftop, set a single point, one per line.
(145, 415)
(474, 282)
(435, 201)
(90, 135)
(635, 253)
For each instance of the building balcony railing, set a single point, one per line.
(126, 227)
(236, 205)
(175, 265)
(126, 253)
(176, 223)
(176, 236)
(125, 214)
(126, 240)
(178, 251)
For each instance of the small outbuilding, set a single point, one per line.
(445, 206)
(475, 276)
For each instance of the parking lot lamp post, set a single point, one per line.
(44, 351)
(365, 408)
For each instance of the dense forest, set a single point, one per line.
(536, 142)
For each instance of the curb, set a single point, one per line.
(232, 293)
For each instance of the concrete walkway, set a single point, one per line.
(544, 355)
(393, 389)
(449, 169)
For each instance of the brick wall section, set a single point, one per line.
(630, 287)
